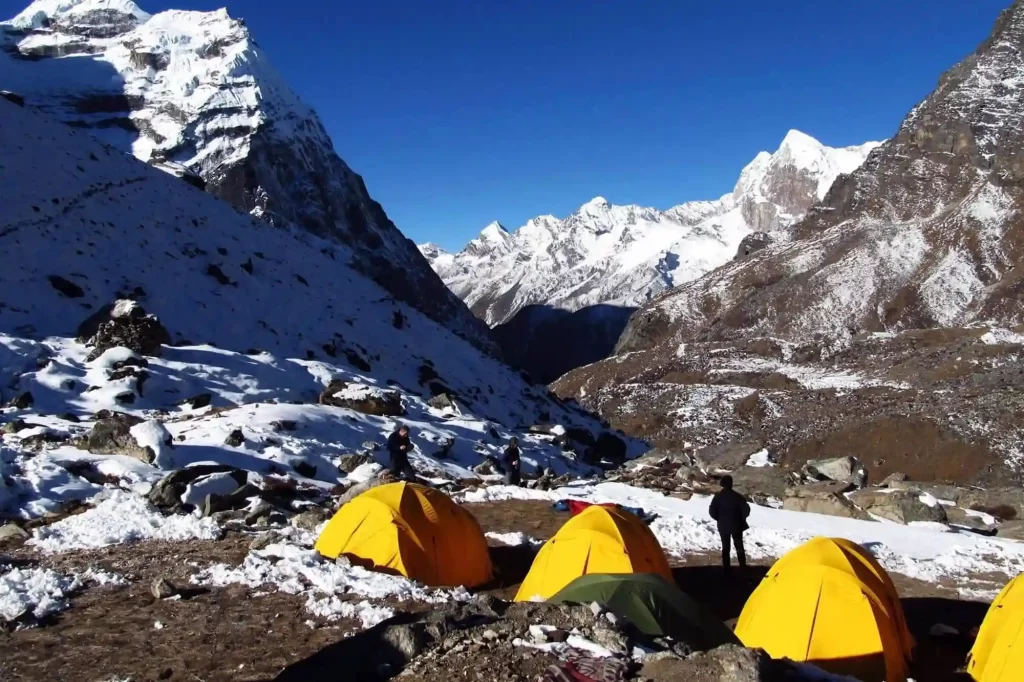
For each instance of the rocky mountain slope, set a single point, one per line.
(256, 325)
(875, 330)
(192, 91)
(925, 234)
(619, 257)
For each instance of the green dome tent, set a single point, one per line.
(653, 605)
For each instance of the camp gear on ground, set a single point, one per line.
(998, 652)
(579, 668)
(598, 540)
(410, 530)
(654, 605)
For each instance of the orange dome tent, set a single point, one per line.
(598, 540)
(410, 530)
(998, 652)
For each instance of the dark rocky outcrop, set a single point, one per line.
(129, 326)
(365, 399)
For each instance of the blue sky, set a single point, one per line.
(459, 112)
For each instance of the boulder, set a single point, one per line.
(22, 401)
(129, 326)
(362, 398)
(610, 447)
(166, 493)
(817, 501)
(304, 468)
(727, 457)
(311, 518)
(198, 401)
(442, 401)
(729, 663)
(1003, 503)
(11, 533)
(357, 490)
(894, 480)
(235, 439)
(111, 435)
(1011, 530)
(849, 469)
(163, 589)
(901, 506)
(14, 426)
(238, 500)
(964, 518)
(764, 481)
(349, 463)
(13, 97)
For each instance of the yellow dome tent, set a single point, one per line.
(598, 540)
(998, 652)
(826, 616)
(854, 560)
(410, 530)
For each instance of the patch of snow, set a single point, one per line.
(35, 591)
(117, 518)
(760, 459)
(515, 539)
(365, 472)
(215, 484)
(154, 435)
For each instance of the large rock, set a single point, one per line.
(956, 516)
(728, 457)
(901, 506)
(362, 398)
(729, 663)
(349, 463)
(816, 499)
(847, 469)
(1003, 503)
(111, 435)
(166, 493)
(127, 325)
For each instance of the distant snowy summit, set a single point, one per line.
(193, 90)
(624, 255)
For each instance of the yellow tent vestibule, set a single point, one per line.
(998, 652)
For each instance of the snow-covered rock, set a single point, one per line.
(193, 94)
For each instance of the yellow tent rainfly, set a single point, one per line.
(409, 530)
(998, 653)
(831, 611)
(598, 540)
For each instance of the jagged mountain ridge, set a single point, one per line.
(624, 255)
(927, 233)
(194, 89)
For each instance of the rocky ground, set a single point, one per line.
(936, 405)
(245, 632)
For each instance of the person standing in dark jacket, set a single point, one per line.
(512, 464)
(399, 447)
(730, 510)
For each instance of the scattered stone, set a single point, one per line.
(111, 435)
(198, 401)
(847, 469)
(264, 540)
(311, 518)
(371, 446)
(12, 533)
(304, 468)
(14, 426)
(125, 398)
(22, 401)
(892, 479)
(490, 635)
(235, 439)
(485, 468)
(611, 639)
(66, 286)
(442, 401)
(69, 417)
(163, 589)
(349, 463)
(285, 425)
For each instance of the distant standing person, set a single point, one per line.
(730, 510)
(399, 447)
(512, 463)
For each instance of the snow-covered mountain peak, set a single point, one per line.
(495, 233)
(192, 90)
(42, 12)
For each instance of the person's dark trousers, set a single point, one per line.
(402, 470)
(736, 538)
(513, 477)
